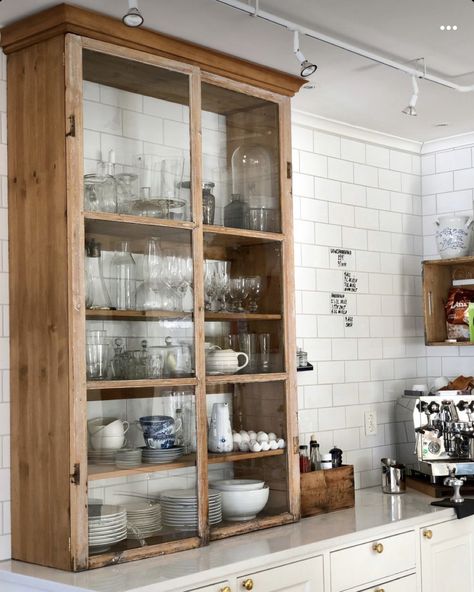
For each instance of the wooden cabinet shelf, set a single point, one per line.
(97, 471)
(64, 252)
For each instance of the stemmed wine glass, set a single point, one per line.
(238, 293)
(254, 291)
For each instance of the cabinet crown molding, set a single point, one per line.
(65, 18)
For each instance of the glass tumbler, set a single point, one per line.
(97, 358)
(248, 345)
(264, 352)
(123, 271)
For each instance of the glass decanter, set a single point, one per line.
(97, 295)
(123, 272)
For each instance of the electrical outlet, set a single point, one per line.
(370, 423)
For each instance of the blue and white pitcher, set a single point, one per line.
(453, 236)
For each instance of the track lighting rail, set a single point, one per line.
(287, 24)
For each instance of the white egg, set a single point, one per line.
(252, 435)
(273, 444)
(265, 445)
(255, 447)
(281, 443)
(245, 436)
(244, 447)
(262, 437)
(236, 447)
(236, 437)
(272, 436)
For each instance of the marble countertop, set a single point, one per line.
(197, 567)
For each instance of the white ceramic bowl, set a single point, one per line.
(107, 426)
(100, 442)
(237, 484)
(243, 505)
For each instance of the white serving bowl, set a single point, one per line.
(107, 426)
(243, 505)
(238, 484)
(100, 442)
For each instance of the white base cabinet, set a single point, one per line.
(447, 556)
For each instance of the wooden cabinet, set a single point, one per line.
(371, 561)
(300, 576)
(161, 119)
(438, 277)
(446, 555)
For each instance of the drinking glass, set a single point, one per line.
(254, 291)
(185, 272)
(210, 286)
(127, 191)
(238, 293)
(248, 345)
(264, 352)
(97, 358)
(123, 272)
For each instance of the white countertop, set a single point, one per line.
(206, 565)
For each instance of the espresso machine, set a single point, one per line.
(444, 434)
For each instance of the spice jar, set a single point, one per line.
(336, 456)
(326, 461)
(305, 463)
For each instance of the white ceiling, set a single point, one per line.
(348, 88)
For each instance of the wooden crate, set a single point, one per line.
(326, 491)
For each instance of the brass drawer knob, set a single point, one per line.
(379, 590)
(225, 589)
(248, 584)
(377, 547)
(428, 534)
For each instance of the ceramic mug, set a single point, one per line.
(453, 236)
(159, 430)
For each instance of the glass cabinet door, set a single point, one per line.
(241, 160)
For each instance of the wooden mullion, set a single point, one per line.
(198, 287)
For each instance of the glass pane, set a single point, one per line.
(240, 143)
(139, 302)
(136, 138)
(253, 478)
(135, 439)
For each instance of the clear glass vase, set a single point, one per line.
(123, 272)
(97, 295)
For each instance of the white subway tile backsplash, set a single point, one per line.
(341, 170)
(439, 183)
(341, 214)
(379, 199)
(353, 194)
(141, 127)
(390, 180)
(454, 201)
(366, 175)
(390, 221)
(303, 185)
(366, 218)
(378, 156)
(302, 138)
(354, 238)
(315, 210)
(379, 241)
(344, 349)
(357, 371)
(453, 159)
(332, 419)
(327, 234)
(327, 144)
(401, 202)
(313, 164)
(352, 150)
(327, 189)
(400, 161)
(102, 118)
(122, 99)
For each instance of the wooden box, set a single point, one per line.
(326, 491)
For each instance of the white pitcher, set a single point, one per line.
(220, 430)
(453, 236)
(224, 361)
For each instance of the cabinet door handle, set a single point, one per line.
(248, 584)
(428, 534)
(225, 589)
(379, 590)
(377, 547)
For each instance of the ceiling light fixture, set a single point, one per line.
(307, 68)
(410, 109)
(133, 17)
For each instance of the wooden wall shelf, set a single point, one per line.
(136, 315)
(246, 378)
(138, 384)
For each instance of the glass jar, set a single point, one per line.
(305, 463)
(208, 203)
(326, 462)
(252, 171)
(97, 295)
(314, 454)
(236, 212)
(100, 193)
(336, 456)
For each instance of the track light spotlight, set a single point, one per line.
(133, 17)
(307, 68)
(410, 109)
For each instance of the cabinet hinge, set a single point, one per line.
(296, 444)
(289, 170)
(72, 126)
(76, 476)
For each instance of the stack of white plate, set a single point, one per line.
(158, 456)
(107, 526)
(180, 508)
(128, 458)
(101, 457)
(143, 519)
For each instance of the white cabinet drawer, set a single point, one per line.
(217, 587)
(300, 576)
(363, 564)
(406, 584)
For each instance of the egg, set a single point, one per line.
(252, 435)
(273, 444)
(245, 436)
(265, 446)
(244, 447)
(272, 436)
(281, 443)
(262, 437)
(255, 446)
(236, 437)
